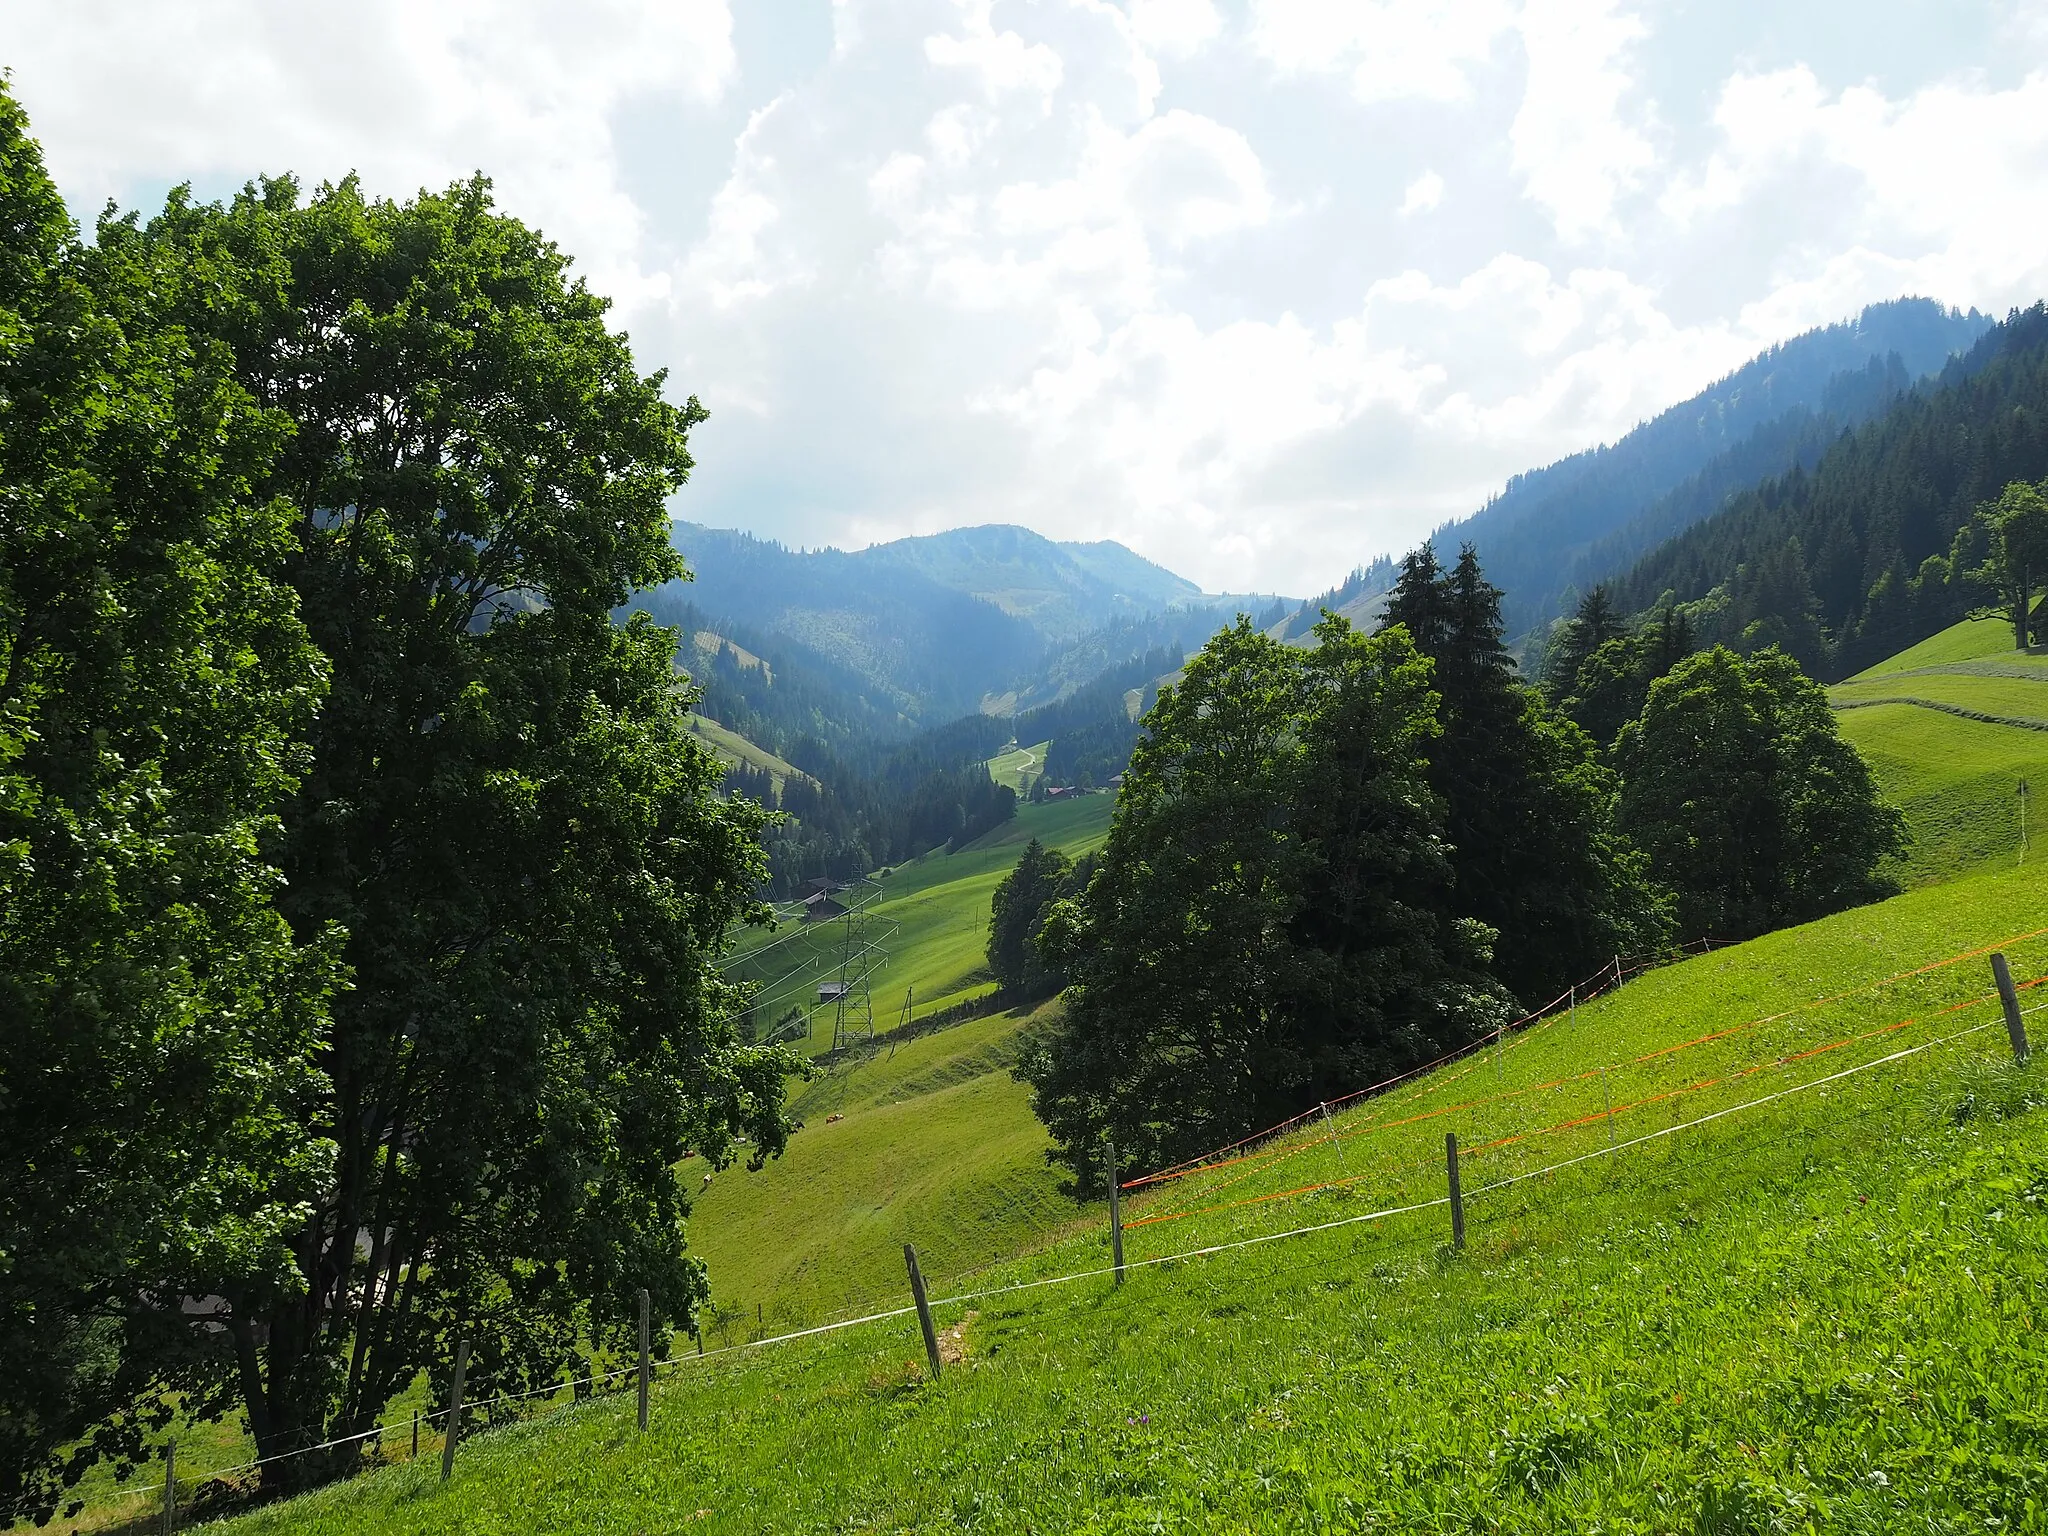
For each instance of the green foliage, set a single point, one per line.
(1594, 625)
(504, 807)
(1818, 1312)
(156, 1060)
(1752, 808)
(1872, 548)
(2015, 527)
(1270, 921)
(1017, 912)
(1608, 686)
(1528, 805)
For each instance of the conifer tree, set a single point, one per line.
(1015, 913)
(1528, 807)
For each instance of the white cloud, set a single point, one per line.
(1939, 191)
(1001, 63)
(1390, 49)
(411, 93)
(1106, 266)
(1174, 27)
(1575, 149)
(1424, 194)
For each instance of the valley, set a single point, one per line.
(677, 853)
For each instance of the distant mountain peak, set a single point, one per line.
(934, 620)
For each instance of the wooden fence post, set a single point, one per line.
(2010, 999)
(415, 1434)
(924, 1308)
(1457, 1196)
(1335, 1145)
(454, 1411)
(170, 1486)
(1116, 1218)
(645, 1307)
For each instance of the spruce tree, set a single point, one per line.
(1015, 912)
(1596, 622)
(1528, 807)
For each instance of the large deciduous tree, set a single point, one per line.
(1270, 919)
(1753, 810)
(504, 808)
(157, 1021)
(2016, 528)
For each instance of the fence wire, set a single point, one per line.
(1478, 1193)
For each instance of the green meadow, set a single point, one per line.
(927, 1139)
(1733, 1263)
(1956, 779)
(1019, 766)
(1973, 640)
(928, 919)
(737, 750)
(1754, 1243)
(933, 1144)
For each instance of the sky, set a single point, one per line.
(1261, 288)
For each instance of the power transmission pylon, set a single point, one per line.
(853, 1019)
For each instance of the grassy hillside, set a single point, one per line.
(1019, 766)
(1956, 779)
(937, 1144)
(1736, 1284)
(736, 749)
(930, 917)
(1711, 1284)
(1971, 640)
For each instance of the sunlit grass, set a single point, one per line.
(1819, 1312)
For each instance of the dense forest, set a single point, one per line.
(1556, 529)
(1093, 729)
(873, 789)
(1873, 548)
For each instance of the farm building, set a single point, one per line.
(819, 905)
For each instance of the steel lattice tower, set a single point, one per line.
(853, 1019)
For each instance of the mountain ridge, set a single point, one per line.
(937, 623)
(1556, 530)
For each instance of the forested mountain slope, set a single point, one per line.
(1582, 519)
(1062, 590)
(933, 650)
(1861, 556)
(935, 623)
